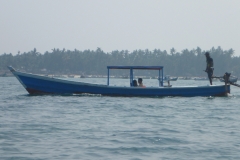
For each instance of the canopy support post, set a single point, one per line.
(162, 78)
(108, 78)
(131, 77)
(159, 81)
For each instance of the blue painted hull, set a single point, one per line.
(36, 84)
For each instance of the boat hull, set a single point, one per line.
(36, 84)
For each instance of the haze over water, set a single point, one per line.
(118, 25)
(99, 127)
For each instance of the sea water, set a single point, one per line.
(102, 127)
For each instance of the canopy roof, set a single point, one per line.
(136, 67)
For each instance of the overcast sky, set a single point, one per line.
(118, 25)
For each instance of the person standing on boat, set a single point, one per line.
(140, 84)
(209, 68)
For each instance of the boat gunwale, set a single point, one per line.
(17, 73)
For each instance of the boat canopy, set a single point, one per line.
(131, 68)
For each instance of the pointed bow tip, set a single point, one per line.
(11, 68)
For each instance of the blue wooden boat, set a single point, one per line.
(36, 84)
(168, 78)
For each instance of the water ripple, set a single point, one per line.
(99, 127)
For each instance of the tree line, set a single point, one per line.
(95, 62)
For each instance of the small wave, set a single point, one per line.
(88, 95)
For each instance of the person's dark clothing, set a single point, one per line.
(209, 62)
(209, 68)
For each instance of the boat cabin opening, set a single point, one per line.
(131, 68)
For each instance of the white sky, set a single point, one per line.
(118, 25)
